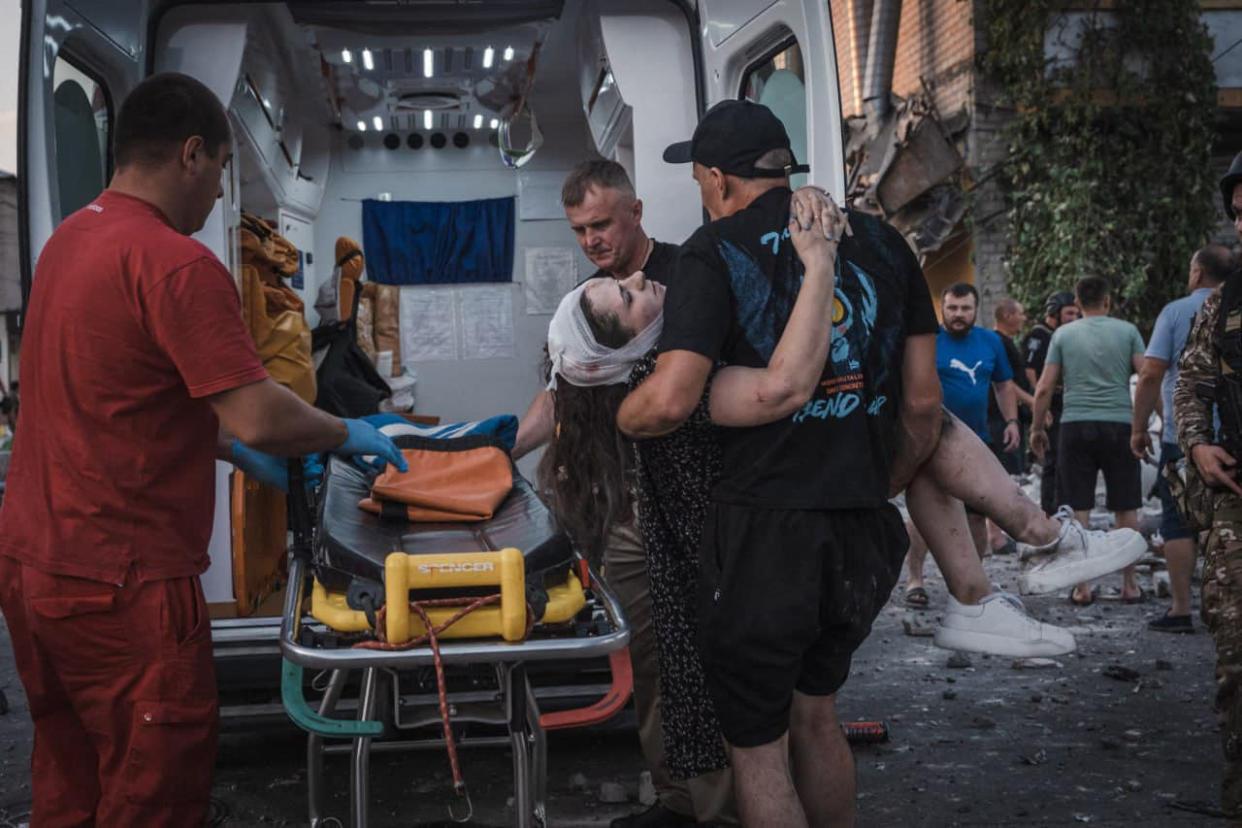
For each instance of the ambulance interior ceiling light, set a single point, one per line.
(489, 54)
(427, 119)
(347, 56)
(478, 121)
(367, 60)
(495, 123)
(379, 123)
(508, 53)
(362, 126)
(428, 63)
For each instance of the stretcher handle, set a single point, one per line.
(604, 709)
(299, 510)
(305, 717)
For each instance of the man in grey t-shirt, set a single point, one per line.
(1209, 267)
(1093, 358)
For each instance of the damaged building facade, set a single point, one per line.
(922, 142)
(926, 130)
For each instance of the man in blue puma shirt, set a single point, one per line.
(970, 360)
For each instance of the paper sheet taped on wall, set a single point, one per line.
(551, 272)
(485, 317)
(428, 324)
(539, 195)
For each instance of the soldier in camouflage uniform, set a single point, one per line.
(1208, 368)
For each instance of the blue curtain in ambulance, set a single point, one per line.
(437, 242)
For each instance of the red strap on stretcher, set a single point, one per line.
(604, 709)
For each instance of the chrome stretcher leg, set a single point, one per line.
(515, 687)
(314, 750)
(539, 747)
(361, 756)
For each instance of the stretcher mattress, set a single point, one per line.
(352, 543)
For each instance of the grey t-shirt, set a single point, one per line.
(1168, 339)
(1096, 355)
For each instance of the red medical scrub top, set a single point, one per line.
(130, 325)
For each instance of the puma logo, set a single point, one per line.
(961, 366)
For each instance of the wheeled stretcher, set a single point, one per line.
(366, 590)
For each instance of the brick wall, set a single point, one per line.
(935, 42)
(986, 147)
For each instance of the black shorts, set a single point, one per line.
(785, 598)
(1085, 450)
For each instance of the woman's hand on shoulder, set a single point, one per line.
(816, 226)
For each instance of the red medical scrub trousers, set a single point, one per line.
(122, 691)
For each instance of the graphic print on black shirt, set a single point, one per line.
(736, 285)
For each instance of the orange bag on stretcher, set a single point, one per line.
(449, 481)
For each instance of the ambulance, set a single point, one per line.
(339, 105)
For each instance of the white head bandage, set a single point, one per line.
(580, 359)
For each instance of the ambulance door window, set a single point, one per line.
(778, 81)
(83, 117)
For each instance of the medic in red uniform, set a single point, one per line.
(137, 374)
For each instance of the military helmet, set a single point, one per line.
(1231, 179)
(1056, 301)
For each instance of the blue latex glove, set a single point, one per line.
(365, 439)
(272, 470)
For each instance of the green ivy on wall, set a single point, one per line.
(1108, 170)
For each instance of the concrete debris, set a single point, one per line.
(983, 723)
(1161, 664)
(1037, 697)
(1132, 735)
(1039, 757)
(949, 695)
(1120, 673)
(916, 624)
(1134, 786)
(578, 782)
(958, 661)
(612, 793)
(1036, 664)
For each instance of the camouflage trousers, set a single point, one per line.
(1221, 608)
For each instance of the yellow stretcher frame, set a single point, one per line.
(504, 569)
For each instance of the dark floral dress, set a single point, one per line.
(674, 476)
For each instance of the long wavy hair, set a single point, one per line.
(585, 470)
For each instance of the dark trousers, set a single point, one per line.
(1049, 497)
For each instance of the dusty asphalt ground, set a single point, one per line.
(982, 745)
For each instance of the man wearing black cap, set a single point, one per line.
(1058, 310)
(800, 547)
(1208, 381)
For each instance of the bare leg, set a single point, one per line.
(1179, 554)
(917, 554)
(1082, 592)
(823, 765)
(1128, 519)
(978, 533)
(996, 536)
(765, 787)
(941, 520)
(966, 469)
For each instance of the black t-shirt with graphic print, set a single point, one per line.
(737, 279)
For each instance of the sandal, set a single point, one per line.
(1078, 602)
(917, 598)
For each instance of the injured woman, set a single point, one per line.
(601, 343)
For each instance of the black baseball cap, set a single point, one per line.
(732, 136)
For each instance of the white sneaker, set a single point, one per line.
(1079, 555)
(999, 625)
